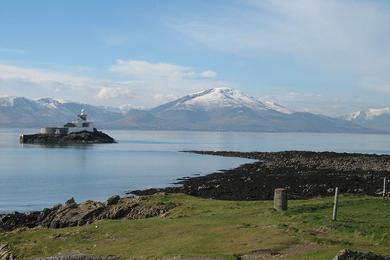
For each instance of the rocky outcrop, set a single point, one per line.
(74, 214)
(84, 137)
(347, 254)
(303, 174)
(5, 252)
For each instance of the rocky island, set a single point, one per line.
(79, 131)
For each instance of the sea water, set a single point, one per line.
(33, 176)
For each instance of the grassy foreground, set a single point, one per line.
(222, 229)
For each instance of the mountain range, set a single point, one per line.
(218, 109)
(375, 118)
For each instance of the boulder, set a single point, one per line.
(70, 201)
(113, 200)
(72, 214)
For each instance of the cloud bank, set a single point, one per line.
(344, 37)
(140, 83)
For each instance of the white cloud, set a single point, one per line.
(345, 37)
(144, 84)
(155, 83)
(208, 74)
(114, 93)
(146, 70)
(162, 98)
(38, 76)
(38, 83)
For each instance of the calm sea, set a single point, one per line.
(33, 177)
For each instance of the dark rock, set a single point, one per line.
(113, 200)
(18, 220)
(70, 201)
(347, 254)
(302, 174)
(83, 137)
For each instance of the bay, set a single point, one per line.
(33, 177)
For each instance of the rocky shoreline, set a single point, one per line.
(84, 137)
(304, 174)
(78, 214)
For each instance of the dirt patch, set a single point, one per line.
(294, 250)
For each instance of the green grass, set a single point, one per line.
(222, 229)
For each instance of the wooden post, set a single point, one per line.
(280, 199)
(336, 203)
(384, 187)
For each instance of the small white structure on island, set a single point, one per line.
(79, 125)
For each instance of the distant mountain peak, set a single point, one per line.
(217, 109)
(7, 101)
(377, 118)
(215, 98)
(368, 114)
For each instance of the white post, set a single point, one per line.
(335, 204)
(384, 187)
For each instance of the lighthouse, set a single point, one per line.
(80, 124)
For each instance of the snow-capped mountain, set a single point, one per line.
(23, 112)
(218, 109)
(216, 98)
(230, 110)
(376, 118)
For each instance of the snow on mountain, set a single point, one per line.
(220, 98)
(126, 108)
(7, 101)
(23, 112)
(376, 112)
(51, 102)
(218, 109)
(224, 109)
(369, 114)
(355, 116)
(212, 99)
(377, 118)
(277, 107)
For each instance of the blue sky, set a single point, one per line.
(324, 56)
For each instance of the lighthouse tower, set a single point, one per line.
(80, 124)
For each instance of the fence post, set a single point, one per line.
(280, 199)
(336, 203)
(384, 187)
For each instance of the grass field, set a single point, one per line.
(223, 229)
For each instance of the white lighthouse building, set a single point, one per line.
(79, 125)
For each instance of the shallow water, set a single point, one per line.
(33, 177)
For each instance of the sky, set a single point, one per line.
(323, 56)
